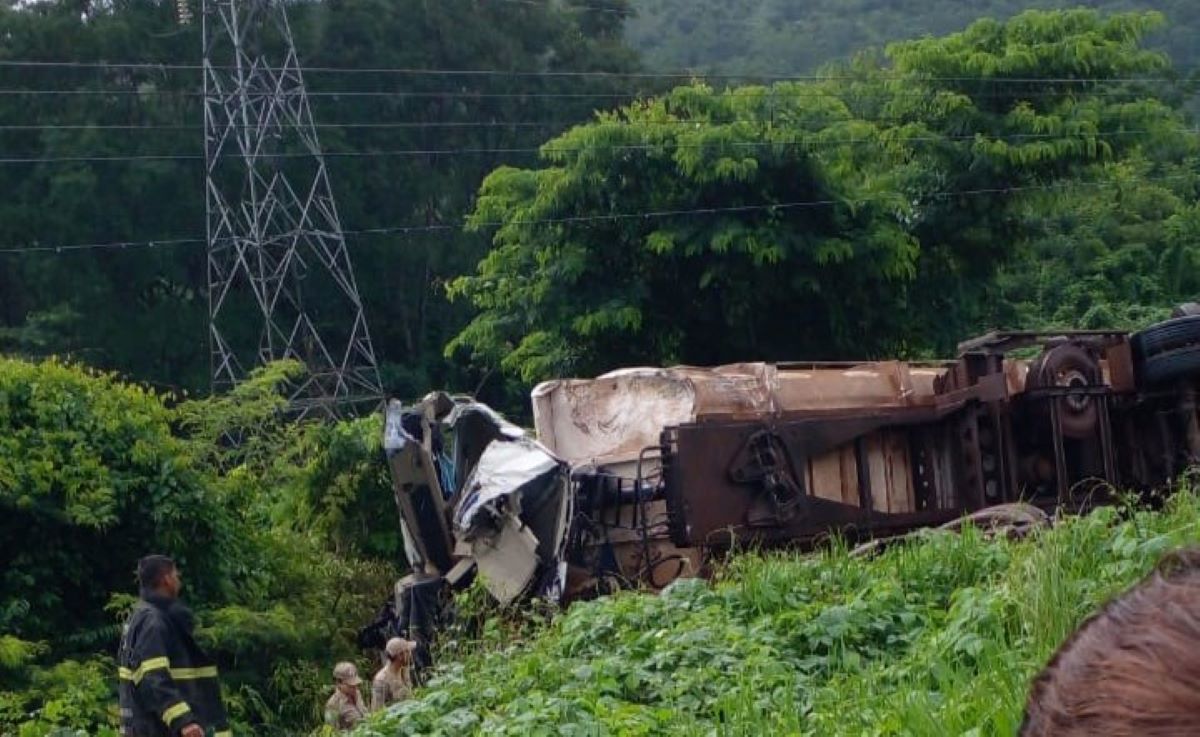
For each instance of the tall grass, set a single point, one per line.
(938, 636)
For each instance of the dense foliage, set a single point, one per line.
(285, 538)
(143, 311)
(877, 139)
(87, 463)
(937, 636)
(862, 214)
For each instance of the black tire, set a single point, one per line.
(1068, 365)
(1167, 336)
(1180, 363)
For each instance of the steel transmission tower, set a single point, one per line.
(276, 249)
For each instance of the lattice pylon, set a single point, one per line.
(274, 234)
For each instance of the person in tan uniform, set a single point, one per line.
(393, 682)
(345, 707)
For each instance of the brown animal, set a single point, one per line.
(1133, 668)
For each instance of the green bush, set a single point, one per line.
(261, 512)
(91, 479)
(72, 697)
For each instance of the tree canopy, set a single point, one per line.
(855, 215)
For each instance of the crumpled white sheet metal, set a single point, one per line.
(507, 429)
(508, 561)
(504, 469)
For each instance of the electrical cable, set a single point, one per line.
(550, 150)
(611, 217)
(883, 74)
(740, 92)
(420, 125)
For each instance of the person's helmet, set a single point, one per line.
(346, 673)
(398, 645)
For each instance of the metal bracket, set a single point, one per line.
(763, 460)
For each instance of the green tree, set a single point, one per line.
(1030, 151)
(857, 215)
(88, 464)
(733, 274)
(281, 530)
(1114, 257)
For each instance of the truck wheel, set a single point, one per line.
(1166, 336)
(1069, 366)
(1177, 364)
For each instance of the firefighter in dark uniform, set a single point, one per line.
(168, 687)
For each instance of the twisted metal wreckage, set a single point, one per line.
(636, 475)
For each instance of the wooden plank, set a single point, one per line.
(901, 495)
(826, 478)
(876, 449)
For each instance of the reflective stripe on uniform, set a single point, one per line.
(179, 674)
(191, 674)
(174, 712)
(226, 733)
(146, 666)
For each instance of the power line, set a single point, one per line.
(548, 149)
(610, 217)
(116, 245)
(197, 128)
(765, 93)
(474, 124)
(380, 125)
(598, 74)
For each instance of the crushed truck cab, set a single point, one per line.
(476, 494)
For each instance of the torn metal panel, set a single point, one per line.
(420, 499)
(491, 500)
(507, 560)
(514, 512)
(509, 476)
(474, 427)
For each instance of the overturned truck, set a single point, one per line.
(636, 476)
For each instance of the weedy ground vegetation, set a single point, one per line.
(936, 636)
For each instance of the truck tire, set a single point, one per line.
(1069, 366)
(1166, 336)
(1177, 364)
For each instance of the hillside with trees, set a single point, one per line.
(788, 37)
(108, 156)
